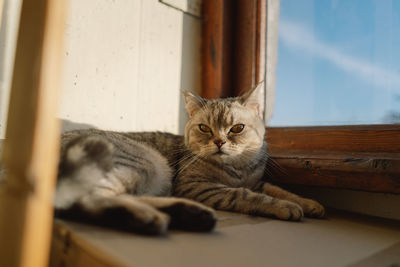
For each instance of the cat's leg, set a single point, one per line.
(310, 207)
(122, 212)
(184, 214)
(240, 199)
(89, 189)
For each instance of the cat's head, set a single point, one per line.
(225, 128)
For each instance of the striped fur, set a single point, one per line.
(231, 177)
(125, 180)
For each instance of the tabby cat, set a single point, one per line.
(125, 180)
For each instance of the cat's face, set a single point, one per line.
(225, 129)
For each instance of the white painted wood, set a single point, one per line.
(272, 54)
(123, 65)
(8, 37)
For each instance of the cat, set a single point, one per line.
(150, 181)
(229, 164)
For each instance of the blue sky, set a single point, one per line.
(338, 62)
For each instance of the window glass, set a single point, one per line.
(338, 62)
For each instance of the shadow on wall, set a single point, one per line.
(67, 125)
(191, 63)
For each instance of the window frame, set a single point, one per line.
(358, 157)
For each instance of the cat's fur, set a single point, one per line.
(124, 179)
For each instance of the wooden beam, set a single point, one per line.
(30, 152)
(234, 44)
(364, 157)
(328, 139)
(347, 172)
(216, 48)
(244, 55)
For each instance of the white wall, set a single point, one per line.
(125, 62)
(8, 37)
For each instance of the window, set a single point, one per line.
(336, 66)
(338, 63)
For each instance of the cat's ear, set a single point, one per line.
(254, 99)
(193, 102)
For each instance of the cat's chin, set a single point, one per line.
(221, 156)
(220, 153)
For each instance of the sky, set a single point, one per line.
(338, 62)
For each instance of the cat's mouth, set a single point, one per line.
(220, 152)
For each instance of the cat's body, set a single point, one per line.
(124, 180)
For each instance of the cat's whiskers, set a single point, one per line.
(182, 159)
(193, 160)
(276, 166)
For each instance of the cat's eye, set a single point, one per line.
(237, 128)
(204, 128)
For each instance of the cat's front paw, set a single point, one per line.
(287, 210)
(190, 215)
(312, 208)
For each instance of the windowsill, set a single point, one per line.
(239, 240)
(365, 157)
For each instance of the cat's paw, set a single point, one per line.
(290, 211)
(141, 221)
(312, 208)
(190, 215)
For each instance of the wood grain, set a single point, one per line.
(233, 46)
(365, 157)
(362, 138)
(374, 175)
(244, 55)
(215, 48)
(30, 152)
(68, 249)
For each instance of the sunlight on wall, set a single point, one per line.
(124, 64)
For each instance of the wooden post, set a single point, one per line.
(30, 151)
(233, 46)
(216, 48)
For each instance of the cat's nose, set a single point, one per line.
(219, 143)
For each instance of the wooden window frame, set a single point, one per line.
(358, 157)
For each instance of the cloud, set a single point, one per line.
(297, 36)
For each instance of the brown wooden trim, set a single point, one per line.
(362, 138)
(363, 157)
(216, 46)
(244, 55)
(367, 174)
(233, 41)
(69, 249)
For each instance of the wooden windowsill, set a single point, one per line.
(238, 240)
(362, 157)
